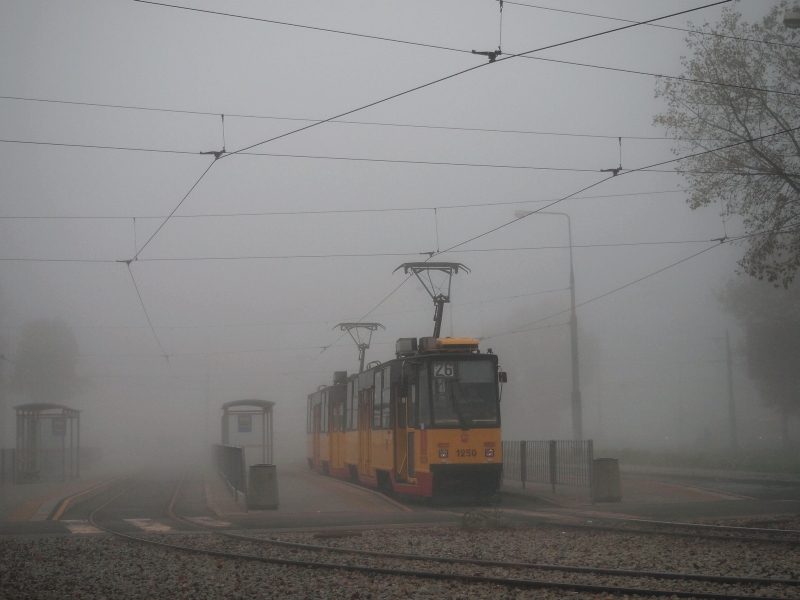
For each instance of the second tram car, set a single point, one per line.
(426, 423)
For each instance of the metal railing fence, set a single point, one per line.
(555, 462)
(230, 463)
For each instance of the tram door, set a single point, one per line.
(364, 431)
(401, 440)
(317, 416)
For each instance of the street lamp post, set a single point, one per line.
(577, 416)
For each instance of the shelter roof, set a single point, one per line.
(43, 406)
(263, 404)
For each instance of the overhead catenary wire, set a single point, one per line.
(355, 255)
(322, 322)
(463, 51)
(147, 316)
(401, 254)
(659, 25)
(220, 154)
(710, 151)
(372, 310)
(661, 76)
(337, 121)
(350, 112)
(424, 45)
(473, 68)
(297, 25)
(336, 210)
(488, 337)
(718, 243)
(199, 179)
(522, 328)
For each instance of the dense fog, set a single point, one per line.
(237, 294)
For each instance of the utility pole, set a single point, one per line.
(207, 432)
(577, 410)
(731, 403)
(577, 416)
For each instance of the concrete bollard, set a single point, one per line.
(262, 489)
(605, 480)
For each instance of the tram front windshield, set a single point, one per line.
(463, 393)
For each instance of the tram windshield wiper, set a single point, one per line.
(457, 406)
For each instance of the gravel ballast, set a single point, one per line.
(105, 567)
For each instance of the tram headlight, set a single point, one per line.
(442, 453)
(490, 453)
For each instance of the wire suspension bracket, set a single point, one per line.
(492, 56)
(615, 172)
(219, 153)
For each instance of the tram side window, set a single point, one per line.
(386, 395)
(424, 399)
(376, 400)
(356, 416)
(324, 412)
(350, 420)
(309, 419)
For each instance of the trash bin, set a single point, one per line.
(262, 488)
(605, 480)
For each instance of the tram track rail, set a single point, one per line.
(517, 565)
(456, 577)
(671, 529)
(701, 526)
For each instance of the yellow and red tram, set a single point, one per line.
(426, 423)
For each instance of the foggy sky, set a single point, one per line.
(256, 328)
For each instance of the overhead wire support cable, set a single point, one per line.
(147, 316)
(199, 179)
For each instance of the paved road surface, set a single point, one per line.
(308, 500)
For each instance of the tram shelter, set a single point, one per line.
(48, 442)
(248, 424)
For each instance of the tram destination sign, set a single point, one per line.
(445, 370)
